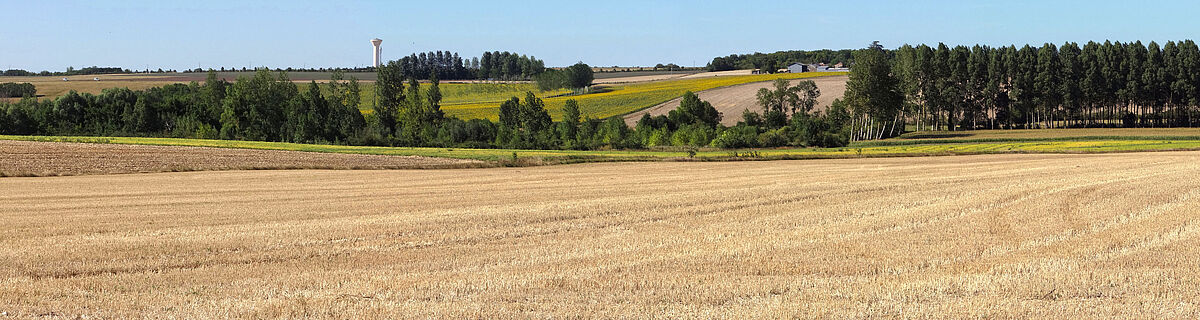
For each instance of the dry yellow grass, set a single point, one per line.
(1064, 236)
(53, 87)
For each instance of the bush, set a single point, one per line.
(17, 90)
(774, 138)
(693, 135)
(737, 137)
(818, 132)
(660, 137)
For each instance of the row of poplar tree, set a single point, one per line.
(1105, 84)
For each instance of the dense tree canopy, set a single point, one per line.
(17, 90)
(769, 62)
(577, 76)
(1097, 84)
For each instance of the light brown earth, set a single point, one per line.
(28, 158)
(996, 236)
(732, 100)
(720, 74)
(645, 78)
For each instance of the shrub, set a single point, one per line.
(774, 138)
(17, 90)
(737, 137)
(660, 137)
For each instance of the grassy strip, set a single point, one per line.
(538, 157)
(900, 142)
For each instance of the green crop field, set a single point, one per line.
(1120, 140)
(621, 99)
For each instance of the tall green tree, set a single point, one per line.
(692, 110)
(1048, 91)
(1071, 74)
(389, 90)
(569, 127)
(873, 93)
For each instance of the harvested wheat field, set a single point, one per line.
(1067, 236)
(732, 100)
(29, 158)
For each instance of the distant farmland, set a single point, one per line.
(53, 86)
(619, 99)
(468, 100)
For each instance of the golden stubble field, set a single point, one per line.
(1091, 236)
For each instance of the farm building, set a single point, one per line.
(798, 68)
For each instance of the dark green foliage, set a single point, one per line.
(737, 137)
(568, 129)
(774, 119)
(17, 90)
(577, 76)
(552, 79)
(507, 66)
(824, 132)
(434, 64)
(389, 90)
(874, 92)
(692, 110)
(580, 75)
(768, 62)
(526, 124)
(751, 118)
(255, 108)
(1109, 84)
(16, 73)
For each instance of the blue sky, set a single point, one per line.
(51, 35)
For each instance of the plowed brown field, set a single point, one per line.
(28, 158)
(732, 100)
(997, 236)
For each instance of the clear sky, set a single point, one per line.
(51, 35)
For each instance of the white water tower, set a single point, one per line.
(375, 42)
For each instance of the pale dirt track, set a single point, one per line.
(669, 76)
(656, 77)
(27, 158)
(996, 236)
(732, 100)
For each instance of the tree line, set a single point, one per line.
(1109, 84)
(265, 107)
(1095, 85)
(71, 71)
(769, 62)
(579, 75)
(269, 107)
(494, 65)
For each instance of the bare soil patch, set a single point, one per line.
(642, 78)
(29, 158)
(732, 100)
(720, 74)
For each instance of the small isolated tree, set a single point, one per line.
(580, 75)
